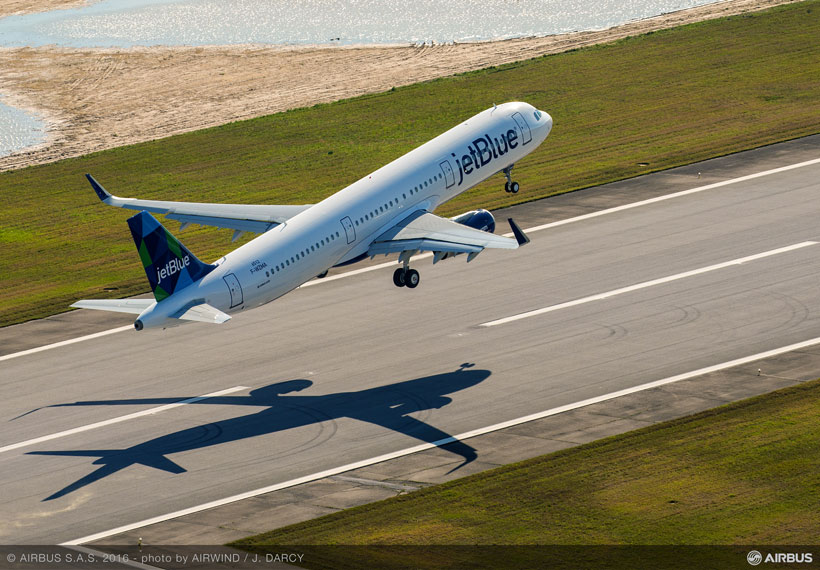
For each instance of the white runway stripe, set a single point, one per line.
(646, 284)
(119, 419)
(65, 342)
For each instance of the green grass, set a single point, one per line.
(744, 473)
(666, 98)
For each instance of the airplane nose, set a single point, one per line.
(547, 122)
(544, 125)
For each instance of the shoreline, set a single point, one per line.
(20, 7)
(94, 99)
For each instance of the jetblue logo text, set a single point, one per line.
(484, 150)
(173, 266)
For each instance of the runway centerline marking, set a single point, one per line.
(422, 447)
(646, 284)
(426, 255)
(119, 419)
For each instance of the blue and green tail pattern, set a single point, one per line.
(169, 265)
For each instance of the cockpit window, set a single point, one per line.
(537, 114)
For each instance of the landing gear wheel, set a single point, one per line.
(399, 276)
(510, 186)
(411, 278)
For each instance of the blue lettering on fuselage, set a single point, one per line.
(483, 150)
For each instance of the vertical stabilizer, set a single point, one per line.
(169, 265)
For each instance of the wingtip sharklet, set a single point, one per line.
(101, 192)
(519, 234)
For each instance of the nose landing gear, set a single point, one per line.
(510, 186)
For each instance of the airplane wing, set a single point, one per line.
(238, 217)
(423, 231)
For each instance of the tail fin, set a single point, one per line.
(168, 264)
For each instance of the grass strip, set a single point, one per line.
(634, 106)
(743, 473)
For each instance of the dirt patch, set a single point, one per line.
(93, 99)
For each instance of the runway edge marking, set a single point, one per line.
(65, 342)
(645, 284)
(441, 442)
(673, 195)
(119, 419)
(426, 255)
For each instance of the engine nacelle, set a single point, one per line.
(478, 220)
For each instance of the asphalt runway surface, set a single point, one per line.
(355, 368)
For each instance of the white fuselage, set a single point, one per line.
(342, 227)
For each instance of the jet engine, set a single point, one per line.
(477, 219)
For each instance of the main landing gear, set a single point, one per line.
(404, 276)
(510, 186)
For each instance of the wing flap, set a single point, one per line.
(228, 223)
(423, 231)
(398, 246)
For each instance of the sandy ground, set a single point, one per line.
(13, 7)
(93, 99)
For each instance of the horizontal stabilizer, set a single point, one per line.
(203, 313)
(133, 306)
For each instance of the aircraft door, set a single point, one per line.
(447, 169)
(235, 288)
(525, 128)
(350, 231)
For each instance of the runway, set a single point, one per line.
(96, 435)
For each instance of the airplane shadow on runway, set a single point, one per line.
(387, 406)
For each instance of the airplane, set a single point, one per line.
(388, 211)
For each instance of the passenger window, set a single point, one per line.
(404, 196)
